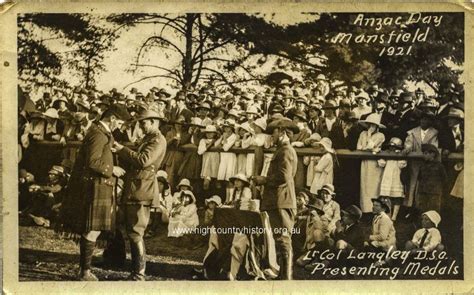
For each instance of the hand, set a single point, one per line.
(118, 171)
(117, 146)
(80, 137)
(62, 141)
(56, 137)
(405, 152)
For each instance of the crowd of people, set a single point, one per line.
(206, 148)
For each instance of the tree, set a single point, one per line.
(82, 34)
(191, 39)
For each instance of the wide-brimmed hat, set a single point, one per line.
(210, 129)
(433, 216)
(385, 202)
(396, 142)
(216, 199)
(321, 77)
(316, 203)
(352, 211)
(188, 193)
(455, 113)
(428, 114)
(51, 113)
(147, 115)
(229, 123)
(302, 100)
(317, 107)
(252, 110)
(197, 122)
(277, 109)
(307, 194)
(284, 123)
(185, 182)
(162, 177)
(326, 142)
(245, 126)
(329, 188)
(57, 170)
(234, 113)
(315, 137)
(261, 122)
(406, 96)
(329, 104)
(345, 102)
(83, 103)
(204, 105)
(301, 115)
(349, 116)
(56, 102)
(241, 177)
(79, 118)
(429, 103)
(372, 119)
(120, 111)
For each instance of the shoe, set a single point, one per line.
(85, 260)
(87, 275)
(138, 261)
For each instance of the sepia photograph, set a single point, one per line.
(244, 146)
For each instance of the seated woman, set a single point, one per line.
(183, 218)
(428, 238)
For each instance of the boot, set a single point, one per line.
(286, 266)
(86, 253)
(138, 261)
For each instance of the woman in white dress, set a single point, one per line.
(371, 173)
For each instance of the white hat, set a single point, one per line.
(433, 216)
(261, 122)
(314, 137)
(326, 142)
(189, 193)
(241, 177)
(252, 110)
(185, 182)
(372, 119)
(216, 199)
(51, 113)
(245, 126)
(234, 112)
(210, 128)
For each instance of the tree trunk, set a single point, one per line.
(188, 59)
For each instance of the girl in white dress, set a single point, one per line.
(228, 161)
(184, 218)
(210, 160)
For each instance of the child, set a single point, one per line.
(431, 180)
(162, 202)
(184, 217)
(211, 204)
(243, 140)
(428, 238)
(228, 161)
(46, 199)
(311, 161)
(324, 172)
(382, 237)
(258, 139)
(331, 208)
(242, 194)
(210, 160)
(391, 185)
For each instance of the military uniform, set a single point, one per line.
(140, 187)
(279, 201)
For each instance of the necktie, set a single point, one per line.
(423, 238)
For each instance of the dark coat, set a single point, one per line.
(431, 184)
(90, 202)
(140, 183)
(336, 134)
(408, 121)
(354, 236)
(279, 188)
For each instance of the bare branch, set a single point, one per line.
(151, 77)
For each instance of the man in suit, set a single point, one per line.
(331, 126)
(180, 109)
(279, 197)
(386, 118)
(141, 186)
(406, 116)
(89, 207)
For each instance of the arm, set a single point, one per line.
(360, 141)
(285, 172)
(229, 142)
(381, 162)
(202, 147)
(433, 242)
(147, 156)
(323, 164)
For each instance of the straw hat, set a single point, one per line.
(252, 110)
(329, 104)
(261, 122)
(321, 77)
(317, 204)
(233, 112)
(216, 199)
(184, 182)
(148, 114)
(245, 126)
(240, 176)
(210, 129)
(329, 188)
(51, 113)
(315, 137)
(229, 123)
(372, 119)
(196, 121)
(284, 123)
(57, 170)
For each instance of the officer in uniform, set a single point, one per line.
(141, 185)
(279, 197)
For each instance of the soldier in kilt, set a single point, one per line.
(90, 205)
